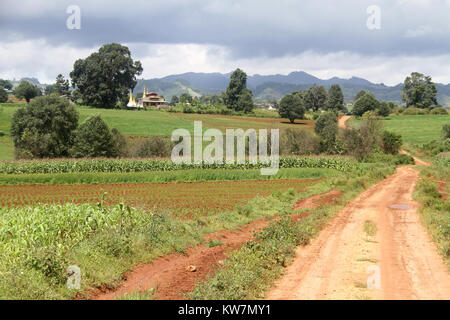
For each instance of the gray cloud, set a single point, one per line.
(248, 28)
(172, 36)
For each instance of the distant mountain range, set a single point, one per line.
(267, 87)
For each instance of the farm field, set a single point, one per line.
(182, 199)
(152, 123)
(417, 129)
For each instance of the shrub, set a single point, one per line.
(3, 95)
(327, 128)
(439, 110)
(44, 127)
(384, 109)
(446, 131)
(299, 142)
(154, 147)
(412, 111)
(94, 139)
(391, 142)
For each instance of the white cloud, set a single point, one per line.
(36, 58)
(418, 32)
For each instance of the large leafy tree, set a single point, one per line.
(316, 97)
(326, 127)
(291, 106)
(6, 84)
(26, 90)
(367, 102)
(94, 139)
(419, 91)
(106, 76)
(335, 98)
(237, 87)
(44, 128)
(360, 94)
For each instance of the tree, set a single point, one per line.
(419, 91)
(106, 76)
(237, 87)
(6, 84)
(44, 128)
(51, 88)
(245, 101)
(360, 94)
(316, 97)
(291, 107)
(384, 109)
(367, 102)
(186, 98)
(3, 95)
(335, 98)
(26, 90)
(62, 86)
(174, 101)
(94, 139)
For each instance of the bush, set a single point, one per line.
(299, 142)
(412, 111)
(439, 110)
(3, 95)
(446, 131)
(94, 139)
(43, 129)
(391, 142)
(154, 147)
(327, 128)
(384, 109)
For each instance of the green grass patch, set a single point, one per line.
(164, 176)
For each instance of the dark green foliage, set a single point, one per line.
(391, 142)
(291, 107)
(6, 84)
(106, 76)
(360, 94)
(51, 88)
(446, 131)
(367, 102)
(174, 101)
(44, 128)
(93, 139)
(419, 91)
(326, 128)
(120, 142)
(384, 109)
(3, 95)
(245, 101)
(335, 98)
(186, 98)
(26, 90)
(315, 98)
(62, 86)
(237, 96)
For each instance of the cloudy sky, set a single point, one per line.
(323, 37)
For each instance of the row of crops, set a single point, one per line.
(141, 165)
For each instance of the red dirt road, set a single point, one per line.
(338, 264)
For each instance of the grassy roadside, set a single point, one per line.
(164, 176)
(249, 272)
(434, 206)
(38, 243)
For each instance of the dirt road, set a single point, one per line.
(342, 120)
(399, 262)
